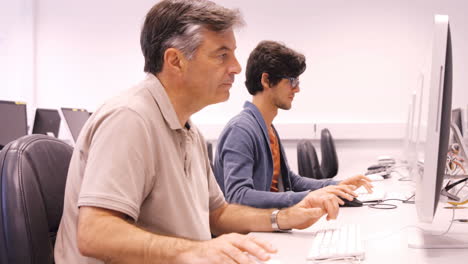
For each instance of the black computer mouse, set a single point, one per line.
(354, 203)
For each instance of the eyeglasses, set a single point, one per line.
(293, 81)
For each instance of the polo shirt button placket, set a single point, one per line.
(183, 148)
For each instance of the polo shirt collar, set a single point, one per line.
(162, 99)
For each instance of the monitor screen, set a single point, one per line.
(46, 121)
(13, 121)
(75, 119)
(430, 174)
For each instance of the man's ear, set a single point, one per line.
(265, 81)
(174, 60)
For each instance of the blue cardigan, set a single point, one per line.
(243, 165)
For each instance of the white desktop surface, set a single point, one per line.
(384, 233)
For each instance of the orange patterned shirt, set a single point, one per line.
(275, 154)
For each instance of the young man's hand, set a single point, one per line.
(343, 191)
(230, 248)
(358, 181)
(308, 211)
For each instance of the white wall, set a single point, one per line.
(17, 51)
(363, 56)
(87, 50)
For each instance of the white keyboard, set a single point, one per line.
(375, 177)
(376, 195)
(336, 241)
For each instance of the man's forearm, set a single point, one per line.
(240, 219)
(105, 235)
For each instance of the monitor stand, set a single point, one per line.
(423, 239)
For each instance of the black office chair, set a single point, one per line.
(209, 148)
(329, 164)
(33, 172)
(307, 160)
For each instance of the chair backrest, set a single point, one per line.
(329, 163)
(33, 172)
(209, 148)
(307, 160)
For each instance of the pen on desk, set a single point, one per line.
(460, 220)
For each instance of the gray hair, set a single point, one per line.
(179, 24)
(188, 42)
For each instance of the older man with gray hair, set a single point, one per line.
(140, 188)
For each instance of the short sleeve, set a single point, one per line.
(216, 195)
(119, 165)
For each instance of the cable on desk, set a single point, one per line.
(386, 206)
(451, 185)
(461, 188)
(408, 200)
(383, 206)
(405, 178)
(450, 226)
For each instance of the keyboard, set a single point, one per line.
(376, 195)
(375, 177)
(336, 241)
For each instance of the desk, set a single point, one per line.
(384, 233)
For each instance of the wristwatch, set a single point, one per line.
(274, 222)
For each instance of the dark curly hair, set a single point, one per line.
(275, 59)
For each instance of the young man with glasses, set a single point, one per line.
(250, 165)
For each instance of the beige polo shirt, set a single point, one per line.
(134, 157)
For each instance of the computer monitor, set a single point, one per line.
(13, 121)
(429, 181)
(466, 122)
(409, 137)
(459, 120)
(46, 121)
(413, 127)
(75, 119)
(430, 175)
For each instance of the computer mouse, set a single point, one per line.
(354, 203)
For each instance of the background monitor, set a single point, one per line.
(13, 121)
(75, 119)
(409, 136)
(46, 121)
(459, 120)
